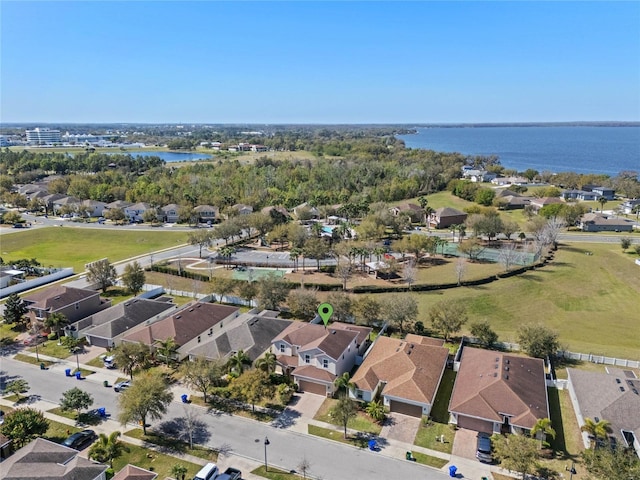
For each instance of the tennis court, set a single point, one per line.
(254, 273)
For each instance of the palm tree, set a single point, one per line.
(56, 321)
(267, 363)
(226, 252)
(541, 429)
(294, 254)
(179, 471)
(343, 382)
(428, 211)
(106, 449)
(237, 362)
(167, 348)
(596, 430)
(375, 410)
(602, 201)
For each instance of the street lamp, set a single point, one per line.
(571, 470)
(76, 350)
(266, 442)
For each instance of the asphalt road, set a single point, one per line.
(238, 435)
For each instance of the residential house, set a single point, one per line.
(510, 200)
(510, 180)
(188, 327)
(207, 213)
(628, 206)
(94, 208)
(131, 472)
(313, 212)
(444, 217)
(498, 392)
(414, 211)
(277, 211)
(46, 460)
(170, 213)
(135, 212)
(242, 209)
(251, 332)
(73, 303)
(405, 373)
(599, 222)
(614, 396)
(478, 176)
(606, 192)
(106, 328)
(48, 200)
(10, 276)
(70, 202)
(259, 148)
(315, 355)
(119, 204)
(538, 203)
(581, 195)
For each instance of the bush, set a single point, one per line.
(52, 336)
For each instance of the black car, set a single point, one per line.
(80, 440)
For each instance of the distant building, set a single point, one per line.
(43, 136)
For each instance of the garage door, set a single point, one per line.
(406, 408)
(311, 387)
(475, 424)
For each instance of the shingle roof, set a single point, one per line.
(43, 459)
(309, 371)
(600, 395)
(490, 384)
(58, 296)
(184, 325)
(409, 370)
(448, 212)
(253, 335)
(131, 472)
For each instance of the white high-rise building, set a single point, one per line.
(43, 136)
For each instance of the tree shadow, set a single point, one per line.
(286, 419)
(178, 428)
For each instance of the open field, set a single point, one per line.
(67, 247)
(591, 300)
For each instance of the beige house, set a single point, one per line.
(73, 303)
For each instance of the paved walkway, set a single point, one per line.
(298, 420)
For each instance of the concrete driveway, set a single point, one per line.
(301, 409)
(464, 444)
(402, 428)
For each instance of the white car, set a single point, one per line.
(120, 386)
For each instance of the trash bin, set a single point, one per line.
(408, 455)
(105, 383)
(67, 372)
(452, 470)
(42, 366)
(102, 411)
(78, 375)
(185, 398)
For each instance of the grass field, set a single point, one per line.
(69, 247)
(591, 300)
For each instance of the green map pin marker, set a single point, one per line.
(325, 310)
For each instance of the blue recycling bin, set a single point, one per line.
(185, 398)
(67, 372)
(78, 375)
(102, 411)
(452, 470)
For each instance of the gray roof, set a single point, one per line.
(253, 335)
(118, 319)
(43, 459)
(608, 396)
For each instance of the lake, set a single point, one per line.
(167, 156)
(581, 149)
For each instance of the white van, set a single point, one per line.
(208, 472)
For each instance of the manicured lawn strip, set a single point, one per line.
(154, 461)
(116, 295)
(337, 436)
(95, 362)
(570, 295)
(51, 348)
(83, 372)
(429, 460)
(362, 422)
(32, 360)
(58, 432)
(440, 410)
(217, 404)
(85, 418)
(173, 444)
(71, 247)
(275, 474)
(426, 437)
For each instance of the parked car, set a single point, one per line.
(483, 447)
(230, 474)
(120, 386)
(208, 472)
(80, 440)
(32, 340)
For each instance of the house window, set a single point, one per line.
(307, 359)
(325, 363)
(281, 348)
(359, 394)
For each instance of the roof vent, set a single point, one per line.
(497, 359)
(198, 305)
(621, 388)
(57, 298)
(191, 309)
(506, 369)
(495, 374)
(496, 366)
(178, 316)
(506, 377)
(506, 361)
(634, 391)
(409, 352)
(617, 380)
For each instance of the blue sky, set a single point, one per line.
(319, 62)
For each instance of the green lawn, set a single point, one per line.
(440, 410)
(427, 434)
(174, 445)
(71, 247)
(29, 359)
(429, 460)
(361, 422)
(51, 348)
(157, 462)
(275, 474)
(576, 295)
(338, 436)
